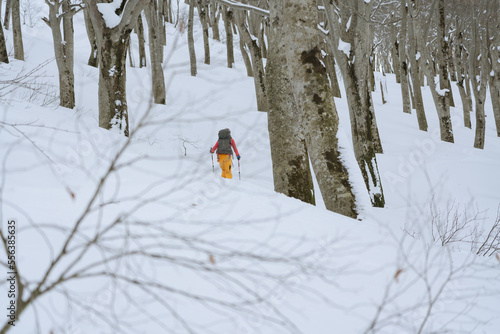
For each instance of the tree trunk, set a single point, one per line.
(442, 53)
(402, 59)
(4, 57)
(246, 58)
(291, 171)
(395, 53)
(139, 29)
(16, 30)
(113, 111)
(329, 60)
(355, 71)
(8, 11)
(257, 64)
(495, 65)
(313, 94)
(93, 58)
(415, 77)
(192, 51)
(228, 22)
(215, 20)
(203, 14)
(158, 79)
(461, 60)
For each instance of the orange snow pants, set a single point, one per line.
(226, 165)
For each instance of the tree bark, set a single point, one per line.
(113, 44)
(93, 58)
(228, 22)
(158, 79)
(403, 65)
(139, 29)
(355, 67)
(192, 51)
(257, 64)
(16, 31)
(313, 94)
(203, 14)
(291, 172)
(8, 11)
(414, 73)
(461, 61)
(4, 57)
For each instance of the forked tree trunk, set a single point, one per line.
(63, 49)
(313, 94)
(113, 44)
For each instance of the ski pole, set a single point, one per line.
(213, 168)
(239, 172)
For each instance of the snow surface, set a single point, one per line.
(392, 257)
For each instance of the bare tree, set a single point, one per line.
(192, 51)
(4, 57)
(63, 11)
(155, 52)
(113, 44)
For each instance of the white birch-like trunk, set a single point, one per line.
(403, 65)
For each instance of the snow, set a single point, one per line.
(345, 47)
(108, 11)
(188, 212)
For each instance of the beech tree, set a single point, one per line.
(62, 10)
(348, 38)
(112, 41)
(314, 122)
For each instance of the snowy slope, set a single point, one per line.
(321, 273)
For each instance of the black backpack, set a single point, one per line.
(224, 142)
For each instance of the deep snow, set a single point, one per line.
(53, 159)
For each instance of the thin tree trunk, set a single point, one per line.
(93, 58)
(192, 51)
(442, 53)
(246, 58)
(402, 59)
(415, 77)
(461, 60)
(139, 29)
(8, 11)
(395, 53)
(4, 57)
(257, 64)
(203, 14)
(16, 30)
(158, 78)
(228, 22)
(215, 10)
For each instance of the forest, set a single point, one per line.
(367, 196)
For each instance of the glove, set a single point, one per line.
(211, 151)
(238, 157)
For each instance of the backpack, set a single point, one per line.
(224, 142)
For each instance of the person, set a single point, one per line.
(225, 146)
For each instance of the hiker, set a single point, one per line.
(225, 153)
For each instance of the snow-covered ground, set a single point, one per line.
(235, 240)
